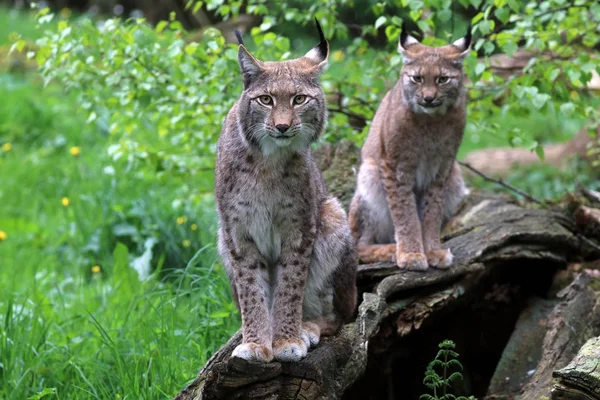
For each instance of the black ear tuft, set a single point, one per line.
(238, 35)
(323, 47)
(403, 34)
(468, 37)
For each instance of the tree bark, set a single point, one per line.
(580, 380)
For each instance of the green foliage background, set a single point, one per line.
(122, 121)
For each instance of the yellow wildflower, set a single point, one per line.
(75, 151)
(6, 146)
(181, 220)
(65, 12)
(65, 201)
(3, 236)
(96, 269)
(338, 55)
(194, 227)
(187, 243)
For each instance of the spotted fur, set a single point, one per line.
(284, 241)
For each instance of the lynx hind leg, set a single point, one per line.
(370, 217)
(455, 193)
(330, 293)
(311, 334)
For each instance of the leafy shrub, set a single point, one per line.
(164, 99)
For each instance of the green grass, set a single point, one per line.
(102, 334)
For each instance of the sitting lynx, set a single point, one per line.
(409, 182)
(284, 241)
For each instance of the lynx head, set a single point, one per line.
(432, 77)
(282, 105)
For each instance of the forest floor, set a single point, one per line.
(76, 322)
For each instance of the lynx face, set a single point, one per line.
(432, 77)
(283, 106)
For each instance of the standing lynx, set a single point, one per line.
(409, 182)
(284, 241)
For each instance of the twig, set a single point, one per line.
(348, 114)
(588, 241)
(501, 183)
(554, 10)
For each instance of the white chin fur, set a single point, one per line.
(270, 145)
(440, 110)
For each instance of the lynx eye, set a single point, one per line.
(265, 100)
(300, 99)
(416, 78)
(443, 79)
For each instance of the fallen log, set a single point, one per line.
(504, 253)
(547, 336)
(580, 380)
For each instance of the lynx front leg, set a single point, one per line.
(433, 215)
(296, 251)
(248, 277)
(407, 227)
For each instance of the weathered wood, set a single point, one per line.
(490, 234)
(580, 380)
(571, 323)
(522, 352)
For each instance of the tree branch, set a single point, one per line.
(501, 183)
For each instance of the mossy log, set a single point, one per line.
(492, 238)
(580, 380)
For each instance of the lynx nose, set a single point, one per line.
(282, 127)
(428, 99)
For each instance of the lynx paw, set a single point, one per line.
(440, 258)
(311, 334)
(288, 350)
(253, 352)
(412, 261)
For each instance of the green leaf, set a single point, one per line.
(220, 314)
(161, 26)
(510, 48)
(444, 15)
(479, 68)
(503, 14)
(485, 27)
(553, 74)
(539, 100)
(43, 393)
(567, 109)
(392, 32)
(539, 150)
(197, 7)
(380, 21)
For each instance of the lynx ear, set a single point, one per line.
(250, 66)
(405, 41)
(320, 53)
(463, 45)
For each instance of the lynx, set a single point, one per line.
(409, 183)
(285, 242)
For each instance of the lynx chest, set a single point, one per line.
(267, 207)
(436, 151)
